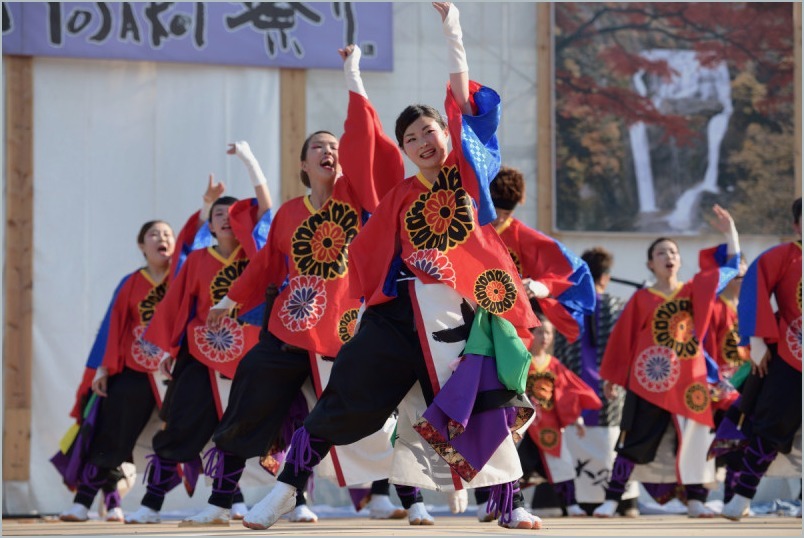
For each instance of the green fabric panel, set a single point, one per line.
(494, 336)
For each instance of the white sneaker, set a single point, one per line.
(143, 515)
(280, 501)
(417, 515)
(115, 514)
(522, 519)
(76, 513)
(738, 507)
(239, 511)
(631, 512)
(458, 501)
(607, 509)
(381, 507)
(210, 516)
(303, 514)
(574, 510)
(483, 516)
(698, 509)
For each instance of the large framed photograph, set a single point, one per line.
(662, 109)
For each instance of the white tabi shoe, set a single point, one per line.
(574, 510)
(738, 507)
(239, 511)
(381, 507)
(417, 515)
(280, 501)
(607, 509)
(78, 513)
(698, 509)
(303, 514)
(210, 516)
(522, 519)
(115, 514)
(458, 501)
(143, 515)
(483, 516)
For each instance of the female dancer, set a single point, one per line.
(206, 359)
(314, 314)
(419, 261)
(655, 353)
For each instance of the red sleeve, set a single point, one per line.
(542, 260)
(572, 395)
(242, 219)
(114, 358)
(704, 295)
(768, 276)
(621, 348)
(371, 161)
(267, 266)
(184, 243)
(173, 312)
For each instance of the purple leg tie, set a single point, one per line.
(501, 501)
(154, 481)
(620, 473)
(756, 461)
(89, 477)
(301, 454)
(112, 500)
(222, 482)
(407, 495)
(566, 492)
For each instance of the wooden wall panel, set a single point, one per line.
(544, 114)
(18, 267)
(293, 127)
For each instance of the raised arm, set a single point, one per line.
(351, 69)
(214, 191)
(243, 151)
(725, 224)
(456, 54)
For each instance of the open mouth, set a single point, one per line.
(426, 154)
(328, 163)
(163, 249)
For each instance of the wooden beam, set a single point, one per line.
(544, 116)
(797, 78)
(293, 129)
(18, 268)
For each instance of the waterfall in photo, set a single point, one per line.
(696, 87)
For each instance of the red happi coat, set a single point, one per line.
(776, 272)
(434, 228)
(539, 257)
(310, 247)
(722, 342)
(654, 349)
(559, 396)
(202, 282)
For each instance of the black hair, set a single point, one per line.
(599, 261)
(145, 228)
(305, 179)
(797, 210)
(411, 114)
(653, 246)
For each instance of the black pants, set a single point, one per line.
(265, 385)
(372, 373)
(644, 425)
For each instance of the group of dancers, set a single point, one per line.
(389, 330)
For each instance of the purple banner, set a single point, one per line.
(272, 34)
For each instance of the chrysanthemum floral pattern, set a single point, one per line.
(347, 324)
(219, 286)
(143, 352)
(223, 344)
(697, 397)
(305, 303)
(442, 217)
(793, 337)
(673, 328)
(433, 263)
(147, 306)
(657, 369)
(319, 245)
(495, 291)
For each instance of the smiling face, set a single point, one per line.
(320, 158)
(425, 142)
(158, 243)
(665, 260)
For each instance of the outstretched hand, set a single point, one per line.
(346, 51)
(723, 221)
(214, 190)
(442, 8)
